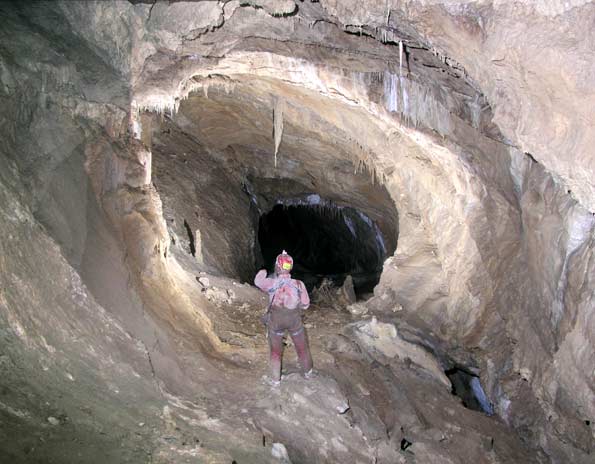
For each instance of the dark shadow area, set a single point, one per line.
(191, 244)
(468, 387)
(325, 242)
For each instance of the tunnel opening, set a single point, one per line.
(467, 386)
(212, 164)
(327, 243)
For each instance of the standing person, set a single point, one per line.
(287, 300)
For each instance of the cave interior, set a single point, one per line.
(428, 166)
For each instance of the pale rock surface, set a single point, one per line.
(463, 130)
(384, 338)
(347, 290)
(280, 452)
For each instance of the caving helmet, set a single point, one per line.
(284, 263)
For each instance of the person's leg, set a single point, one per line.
(300, 341)
(276, 347)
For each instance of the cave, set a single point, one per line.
(428, 165)
(326, 243)
(467, 386)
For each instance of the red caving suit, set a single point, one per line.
(287, 300)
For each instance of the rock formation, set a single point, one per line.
(441, 151)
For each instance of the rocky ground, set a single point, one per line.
(131, 130)
(380, 394)
(377, 397)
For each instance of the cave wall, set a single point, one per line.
(64, 359)
(204, 204)
(505, 240)
(557, 283)
(548, 115)
(65, 132)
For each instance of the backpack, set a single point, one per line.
(281, 284)
(266, 317)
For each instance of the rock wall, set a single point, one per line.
(442, 103)
(210, 217)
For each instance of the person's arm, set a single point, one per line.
(262, 281)
(304, 297)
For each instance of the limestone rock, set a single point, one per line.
(465, 143)
(383, 337)
(204, 281)
(357, 309)
(53, 421)
(348, 291)
(279, 452)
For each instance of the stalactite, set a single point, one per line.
(400, 58)
(415, 103)
(278, 125)
(387, 13)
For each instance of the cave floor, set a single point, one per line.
(362, 406)
(366, 404)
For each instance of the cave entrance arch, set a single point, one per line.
(220, 143)
(327, 241)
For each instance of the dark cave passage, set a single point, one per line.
(467, 386)
(326, 242)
